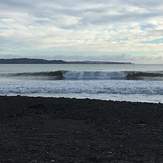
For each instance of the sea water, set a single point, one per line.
(121, 82)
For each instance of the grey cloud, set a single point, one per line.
(148, 26)
(97, 13)
(145, 3)
(91, 12)
(128, 17)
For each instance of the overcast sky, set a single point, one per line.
(118, 30)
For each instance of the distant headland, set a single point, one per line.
(44, 61)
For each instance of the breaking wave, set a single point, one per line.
(92, 75)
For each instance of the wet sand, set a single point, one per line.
(60, 130)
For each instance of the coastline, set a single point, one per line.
(46, 61)
(39, 129)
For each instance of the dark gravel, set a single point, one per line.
(60, 130)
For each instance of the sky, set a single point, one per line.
(115, 30)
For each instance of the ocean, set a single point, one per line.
(119, 82)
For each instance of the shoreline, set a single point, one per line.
(43, 129)
(83, 98)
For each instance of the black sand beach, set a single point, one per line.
(44, 130)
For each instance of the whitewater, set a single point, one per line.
(137, 83)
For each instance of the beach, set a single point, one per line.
(64, 130)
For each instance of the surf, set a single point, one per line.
(90, 75)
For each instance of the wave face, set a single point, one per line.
(92, 75)
(97, 75)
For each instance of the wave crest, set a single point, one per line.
(92, 75)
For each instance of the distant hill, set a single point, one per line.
(29, 61)
(43, 61)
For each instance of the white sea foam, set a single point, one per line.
(110, 82)
(93, 75)
(100, 89)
